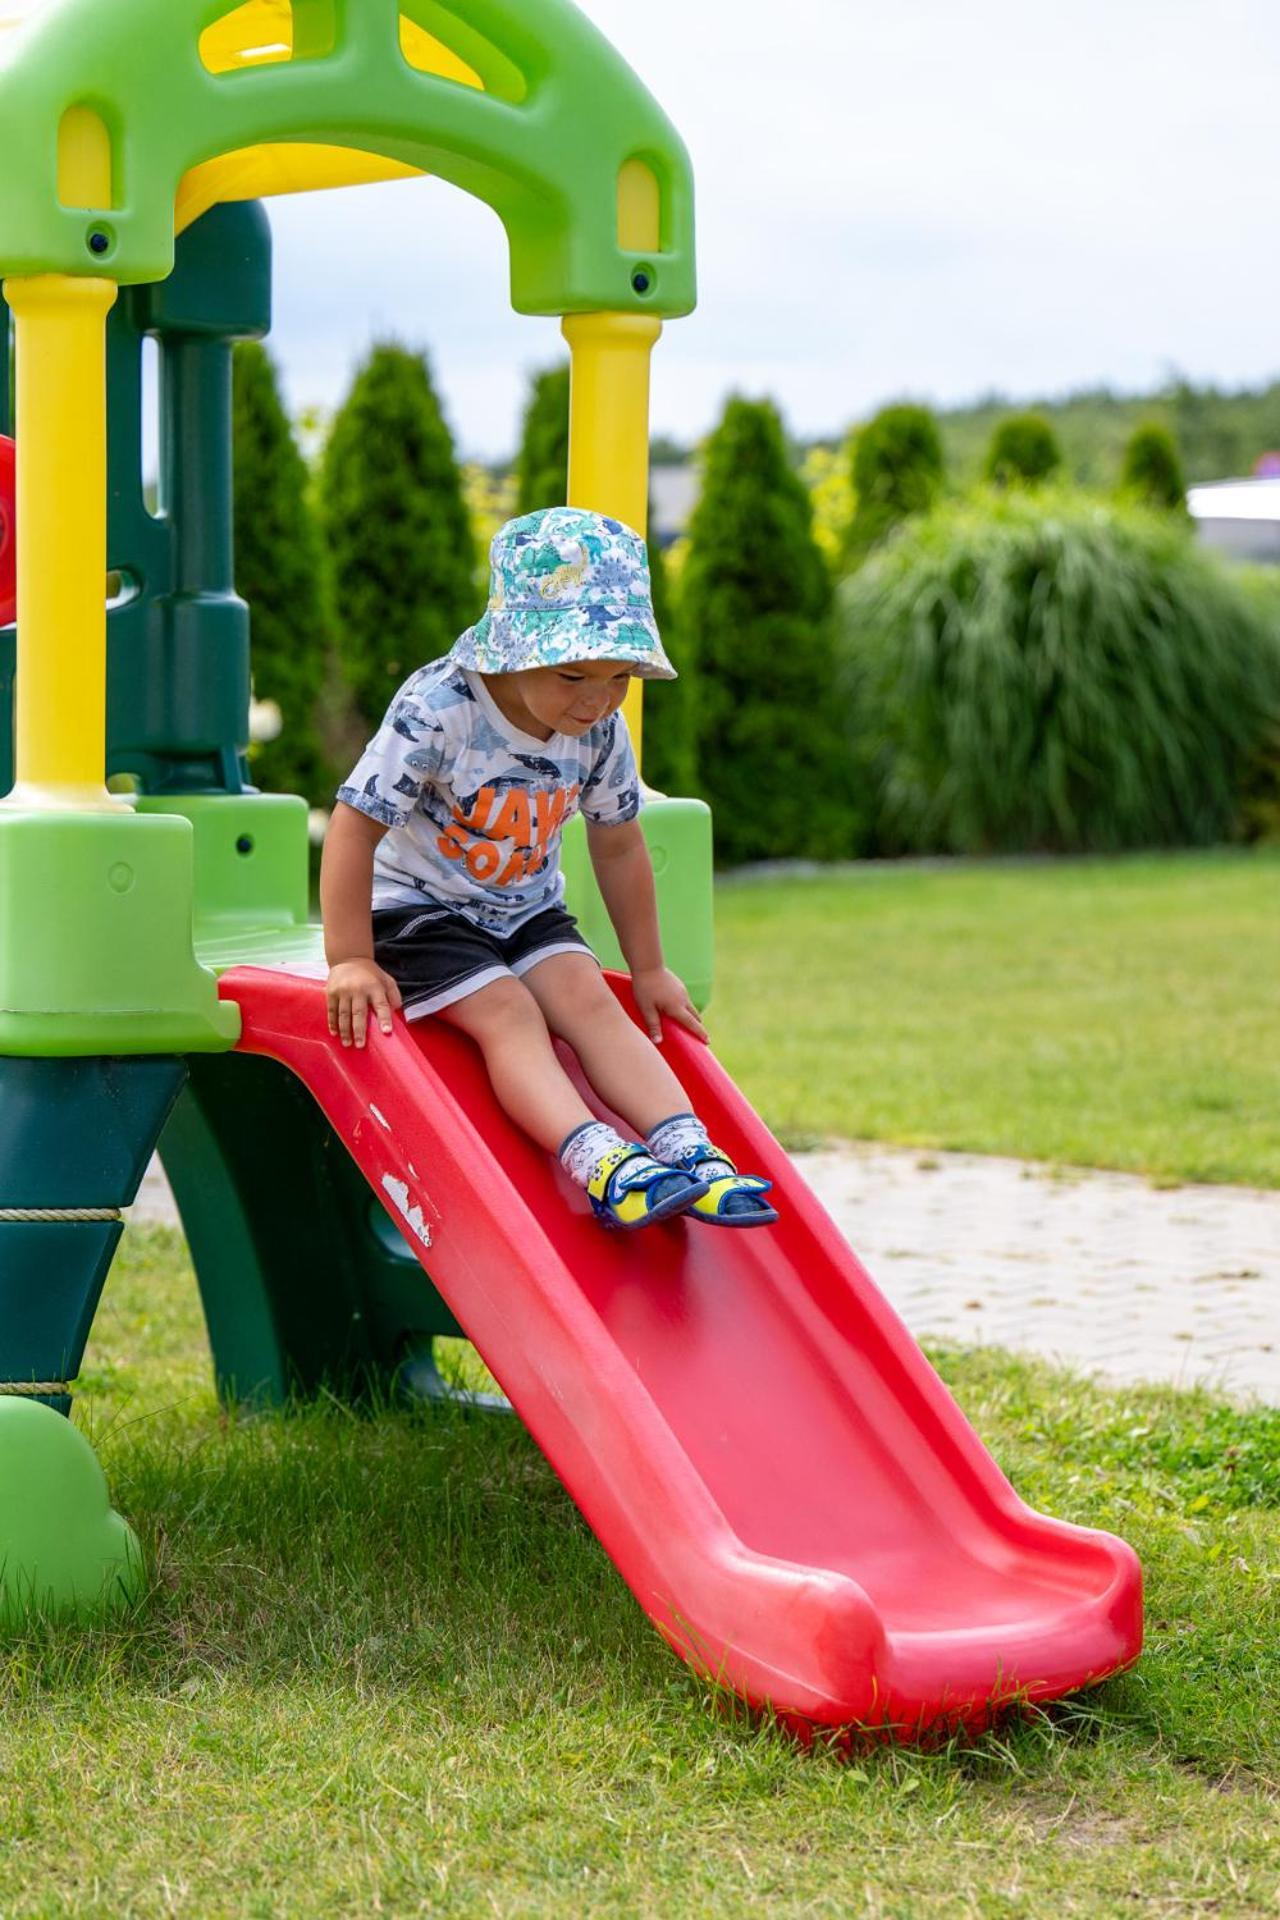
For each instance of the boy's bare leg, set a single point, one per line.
(621, 1063)
(505, 1022)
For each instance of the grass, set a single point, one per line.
(384, 1668)
(1118, 1013)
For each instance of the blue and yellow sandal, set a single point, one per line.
(734, 1200)
(631, 1189)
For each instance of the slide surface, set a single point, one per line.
(764, 1452)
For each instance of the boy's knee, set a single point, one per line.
(503, 1007)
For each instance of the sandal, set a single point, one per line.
(733, 1200)
(631, 1189)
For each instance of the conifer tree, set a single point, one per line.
(756, 611)
(542, 464)
(279, 559)
(1024, 450)
(1151, 472)
(399, 534)
(670, 717)
(898, 470)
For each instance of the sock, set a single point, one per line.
(582, 1151)
(672, 1139)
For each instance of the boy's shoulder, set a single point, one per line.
(434, 698)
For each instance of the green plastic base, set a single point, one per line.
(251, 853)
(678, 833)
(63, 1551)
(95, 938)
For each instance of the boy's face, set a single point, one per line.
(573, 698)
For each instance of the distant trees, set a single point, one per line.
(399, 534)
(898, 470)
(1024, 450)
(279, 571)
(1151, 472)
(542, 463)
(755, 617)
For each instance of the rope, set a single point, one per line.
(34, 1389)
(59, 1213)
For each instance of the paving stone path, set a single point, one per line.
(1097, 1270)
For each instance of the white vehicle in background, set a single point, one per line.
(1240, 518)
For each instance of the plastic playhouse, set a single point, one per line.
(776, 1471)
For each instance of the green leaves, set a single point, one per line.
(400, 539)
(1050, 672)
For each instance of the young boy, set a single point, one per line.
(450, 825)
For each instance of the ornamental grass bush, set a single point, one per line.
(1052, 672)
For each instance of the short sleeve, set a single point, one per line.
(405, 755)
(611, 791)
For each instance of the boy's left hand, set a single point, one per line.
(658, 991)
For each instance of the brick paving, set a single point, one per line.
(1099, 1271)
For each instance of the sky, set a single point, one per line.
(911, 197)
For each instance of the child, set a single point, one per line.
(451, 825)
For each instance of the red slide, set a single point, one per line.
(773, 1466)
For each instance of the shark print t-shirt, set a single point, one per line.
(476, 808)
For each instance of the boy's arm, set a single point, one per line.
(355, 982)
(624, 874)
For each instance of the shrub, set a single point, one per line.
(670, 718)
(1024, 450)
(1151, 473)
(398, 528)
(542, 464)
(279, 560)
(898, 470)
(755, 616)
(1053, 672)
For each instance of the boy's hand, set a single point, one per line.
(352, 988)
(659, 991)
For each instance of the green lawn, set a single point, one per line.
(1121, 1013)
(384, 1668)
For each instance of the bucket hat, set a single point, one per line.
(566, 585)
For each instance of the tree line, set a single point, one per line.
(843, 685)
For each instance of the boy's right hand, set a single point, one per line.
(353, 987)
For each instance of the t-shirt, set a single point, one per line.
(476, 808)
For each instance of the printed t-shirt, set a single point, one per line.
(476, 808)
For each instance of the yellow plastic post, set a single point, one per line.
(61, 434)
(609, 427)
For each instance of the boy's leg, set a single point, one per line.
(621, 1063)
(533, 1088)
(625, 1183)
(631, 1076)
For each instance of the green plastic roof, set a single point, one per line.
(544, 153)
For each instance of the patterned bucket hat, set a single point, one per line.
(566, 585)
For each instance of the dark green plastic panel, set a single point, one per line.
(79, 1133)
(302, 1286)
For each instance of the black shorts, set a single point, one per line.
(436, 956)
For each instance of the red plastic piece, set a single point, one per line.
(764, 1452)
(8, 541)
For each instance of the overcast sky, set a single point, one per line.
(905, 197)
(894, 197)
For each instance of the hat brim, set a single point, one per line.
(510, 639)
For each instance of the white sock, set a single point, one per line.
(582, 1151)
(672, 1139)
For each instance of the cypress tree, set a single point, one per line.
(399, 534)
(1024, 450)
(279, 572)
(670, 717)
(898, 470)
(1151, 472)
(542, 464)
(756, 610)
